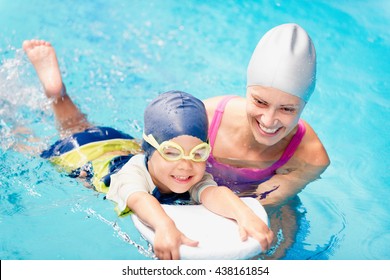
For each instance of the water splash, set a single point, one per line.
(19, 86)
(23, 105)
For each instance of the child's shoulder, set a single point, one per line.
(135, 162)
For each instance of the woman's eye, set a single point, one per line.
(260, 102)
(289, 109)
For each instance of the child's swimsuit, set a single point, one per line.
(245, 180)
(89, 151)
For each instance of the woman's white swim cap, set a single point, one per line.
(285, 59)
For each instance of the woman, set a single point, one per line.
(261, 147)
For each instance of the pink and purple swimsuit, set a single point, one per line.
(244, 180)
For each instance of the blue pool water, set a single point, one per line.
(116, 55)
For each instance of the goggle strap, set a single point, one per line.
(151, 140)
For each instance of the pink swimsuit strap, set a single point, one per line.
(253, 173)
(217, 118)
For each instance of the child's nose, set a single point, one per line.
(185, 164)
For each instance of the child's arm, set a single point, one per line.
(167, 237)
(224, 202)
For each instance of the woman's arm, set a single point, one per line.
(224, 202)
(167, 237)
(307, 165)
(282, 187)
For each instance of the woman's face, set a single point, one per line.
(272, 113)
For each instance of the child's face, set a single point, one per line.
(177, 176)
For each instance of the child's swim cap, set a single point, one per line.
(285, 59)
(172, 114)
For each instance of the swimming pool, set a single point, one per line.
(116, 55)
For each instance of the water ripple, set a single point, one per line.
(376, 247)
(123, 235)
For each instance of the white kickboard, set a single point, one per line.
(218, 237)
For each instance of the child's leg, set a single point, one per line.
(43, 57)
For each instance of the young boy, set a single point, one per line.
(175, 125)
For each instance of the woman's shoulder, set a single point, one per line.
(212, 103)
(312, 149)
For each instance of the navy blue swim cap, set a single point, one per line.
(172, 114)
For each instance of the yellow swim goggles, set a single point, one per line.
(172, 151)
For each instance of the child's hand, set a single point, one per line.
(251, 225)
(167, 241)
(224, 202)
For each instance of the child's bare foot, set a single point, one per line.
(43, 57)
